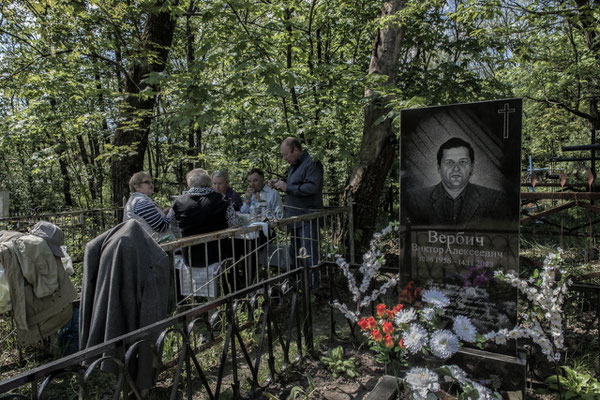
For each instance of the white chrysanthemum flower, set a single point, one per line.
(423, 382)
(483, 392)
(464, 329)
(428, 313)
(415, 338)
(435, 298)
(405, 316)
(456, 372)
(443, 343)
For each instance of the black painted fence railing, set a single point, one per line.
(275, 308)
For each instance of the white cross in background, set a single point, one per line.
(506, 111)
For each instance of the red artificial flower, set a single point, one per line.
(381, 310)
(389, 314)
(372, 323)
(397, 308)
(388, 341)
(388, 327)
(377, 335)
(364, 325)
(410, 292)
(401, 343)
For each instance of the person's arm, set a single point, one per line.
(313, 180)
(274, 201)
(237, 201)
(245, 208)
(148, 210)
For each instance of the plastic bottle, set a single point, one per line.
(262, 205)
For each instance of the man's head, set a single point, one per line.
(291, 150)
(220, 181)
(456, 160)
(256, 179)
(198, 177)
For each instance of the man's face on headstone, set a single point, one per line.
(456, 168)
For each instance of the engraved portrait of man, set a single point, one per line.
(454, 200)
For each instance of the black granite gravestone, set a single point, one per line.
(459, 207)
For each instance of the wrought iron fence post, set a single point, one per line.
(331, 318)
(231, 316)
(307, 322)
(351, 227)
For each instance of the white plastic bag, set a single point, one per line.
(4, 292)
(67, 261)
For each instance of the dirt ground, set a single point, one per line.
(325, 385)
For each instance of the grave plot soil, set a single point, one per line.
(325, 385)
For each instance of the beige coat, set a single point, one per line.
(40, 290)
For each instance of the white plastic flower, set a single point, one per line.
(415, 338)
(501, 336)
(435, 298)
(428, 313)
(423, 382)
(443, 343)
(483, 392)
(456, 372)
(405, 316)
(464, 329)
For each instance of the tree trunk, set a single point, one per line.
(379, 143)
(590, 32)
(137, 111)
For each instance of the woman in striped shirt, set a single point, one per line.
(141, 208)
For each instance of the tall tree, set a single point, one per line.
(378, 146)
(137, 112)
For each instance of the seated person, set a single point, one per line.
(202, 210)
(258, 191)
(220, 181)
(141, 208)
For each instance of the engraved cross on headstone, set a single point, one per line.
(506, 110)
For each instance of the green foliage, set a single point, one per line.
(242, 75)
(298, 392)
(573, 384)
(338, 365)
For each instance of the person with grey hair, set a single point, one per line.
(141, 208)
(202, 210)
(303, 190)
(220, 182)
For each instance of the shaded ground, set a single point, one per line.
(325, 385)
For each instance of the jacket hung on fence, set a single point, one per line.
(125, 287)
(125, 284)
(40, 290)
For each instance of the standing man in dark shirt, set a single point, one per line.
(455, 200)
(304, 194)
